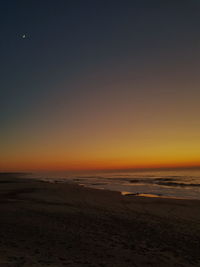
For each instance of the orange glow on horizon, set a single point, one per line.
(120, 132)
(96, 165)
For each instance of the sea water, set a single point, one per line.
(157, 183)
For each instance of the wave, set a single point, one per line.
(165, 182)
(151, 181)
(169, 181)
(178, 184)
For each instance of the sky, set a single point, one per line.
(99, 84)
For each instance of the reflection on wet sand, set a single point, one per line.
(125, 193)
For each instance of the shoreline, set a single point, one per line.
(64, 224)
(166, 185)
(123, 193)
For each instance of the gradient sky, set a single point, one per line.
(99, 84)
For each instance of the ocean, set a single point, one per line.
(156, 183)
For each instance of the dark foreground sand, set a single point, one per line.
(43, 224)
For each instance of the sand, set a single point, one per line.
(45, 224)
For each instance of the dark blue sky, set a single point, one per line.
(85, 55)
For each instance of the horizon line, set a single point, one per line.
(101, 169)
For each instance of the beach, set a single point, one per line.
(64, 224)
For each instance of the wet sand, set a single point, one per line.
(44, 224)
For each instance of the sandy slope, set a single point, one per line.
(44, 224)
